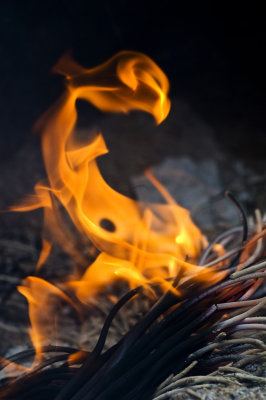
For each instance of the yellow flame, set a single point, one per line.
(144, 242)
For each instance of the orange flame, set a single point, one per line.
(39, 294)
(139, 242)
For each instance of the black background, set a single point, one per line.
(212, 52)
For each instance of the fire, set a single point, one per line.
(40, 293)
(138, 242)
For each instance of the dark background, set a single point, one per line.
(213, 54)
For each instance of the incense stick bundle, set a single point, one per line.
(181, 334)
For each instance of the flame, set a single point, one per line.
(139, 242)
(40, 294)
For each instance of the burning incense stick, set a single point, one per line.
(186, 332)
